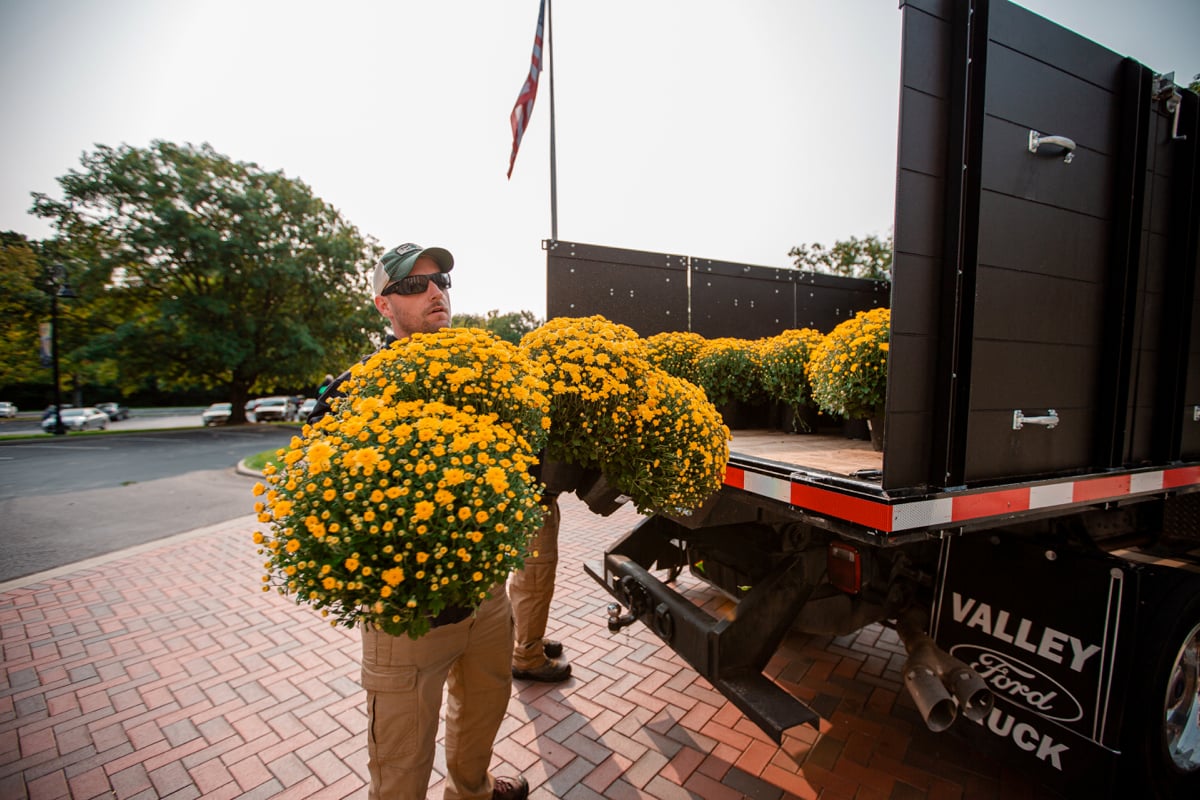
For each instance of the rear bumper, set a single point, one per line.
(730, 653)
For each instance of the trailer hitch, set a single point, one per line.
(632, 595)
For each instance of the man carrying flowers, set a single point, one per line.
(457, 497)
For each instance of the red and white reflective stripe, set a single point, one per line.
(948, 510)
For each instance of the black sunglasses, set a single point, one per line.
(417, 284)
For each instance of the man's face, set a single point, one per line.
(426, 312)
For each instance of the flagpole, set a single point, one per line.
(553, 160)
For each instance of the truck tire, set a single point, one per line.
(1164, 741)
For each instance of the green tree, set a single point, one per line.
(212, 272)
(870, 257)
(510, 327)
(23, 306)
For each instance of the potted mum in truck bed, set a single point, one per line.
(783, 360)
(847, 370)
(676, 352)
(728, 371)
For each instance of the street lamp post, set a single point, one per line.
(59, 287)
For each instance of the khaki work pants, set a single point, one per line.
(531, 590)
(404, 680)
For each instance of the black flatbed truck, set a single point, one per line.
(1032, 526)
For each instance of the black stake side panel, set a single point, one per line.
(1152, 399)
(749, 302)
(1043, 262)
(646, 291)
(1179, 437)
(649, 292)
(738, 300)
(918, 263)
(1035, 328)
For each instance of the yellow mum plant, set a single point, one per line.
(728, 370)
(415, 494)
(676, 352)
(654, 436)
(469, 368)
(590, 365)
(669, 451)
(783, 360)
(848, 367)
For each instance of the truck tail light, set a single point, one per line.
(844, 567)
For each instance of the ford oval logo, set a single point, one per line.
(1015, 680)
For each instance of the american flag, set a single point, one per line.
(524, 107)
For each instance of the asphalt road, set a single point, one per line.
(64, 499)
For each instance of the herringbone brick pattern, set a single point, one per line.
(166, 672)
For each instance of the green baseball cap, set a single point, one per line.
(398, 262)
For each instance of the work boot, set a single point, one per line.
(510, 788)
(551, 648)
(552, 671)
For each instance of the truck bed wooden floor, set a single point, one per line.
(835, 454)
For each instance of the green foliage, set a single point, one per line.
(870, 257)
(201, 270)
(728, 371)
(510, 327)
(783, 360)
(260, 460)
(1195, 84)
(23, 305)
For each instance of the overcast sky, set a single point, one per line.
(726, 129)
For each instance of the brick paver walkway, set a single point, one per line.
(165, 672)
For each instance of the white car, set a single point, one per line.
(277, 409)
(78, 419)
(216, 414)
(306, 408)
(8, 410)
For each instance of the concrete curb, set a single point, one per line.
(242, 469)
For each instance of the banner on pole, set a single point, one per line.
(45, 352)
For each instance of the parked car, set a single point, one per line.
(216, 414)
(306, 408)
(115, 411)
(275, 409)
(78, 419)
(8, 410)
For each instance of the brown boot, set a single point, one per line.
(510, 788)
(552, 671)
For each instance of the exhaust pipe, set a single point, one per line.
(940, 684)
(969, 689)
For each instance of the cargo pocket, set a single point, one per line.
(392, 709)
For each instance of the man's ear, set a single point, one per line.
(381, 304)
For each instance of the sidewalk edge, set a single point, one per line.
(248, 520)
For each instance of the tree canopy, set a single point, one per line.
(201, 270)
(23, 305)
(510, 327)
(870, 257)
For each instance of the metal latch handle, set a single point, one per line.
(1050, 419)
(1036, 139)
